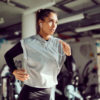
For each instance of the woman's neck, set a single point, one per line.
(44, 36)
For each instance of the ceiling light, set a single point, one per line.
(1, 20)
(87, 28)
(71, 18)
(96, 35)
(17, 32)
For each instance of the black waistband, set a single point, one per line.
(36, 89)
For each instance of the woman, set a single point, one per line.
(43, 58)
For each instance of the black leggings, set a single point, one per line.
(31, 93)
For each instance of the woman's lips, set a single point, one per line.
(52, 30)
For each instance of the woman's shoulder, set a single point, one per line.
(29, 38)
(57, 40)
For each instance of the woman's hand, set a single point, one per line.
(66, 48)
(20, 74)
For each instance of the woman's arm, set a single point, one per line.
(13, 52)
(66, 48)
(20, 74)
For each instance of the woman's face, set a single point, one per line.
(49, 24)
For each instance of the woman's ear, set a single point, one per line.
(41, 25)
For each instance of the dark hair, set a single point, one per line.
(41, 14)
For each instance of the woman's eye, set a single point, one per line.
(50, 22)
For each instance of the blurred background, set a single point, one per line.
(78, 25)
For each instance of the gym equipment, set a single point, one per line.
(10, 87)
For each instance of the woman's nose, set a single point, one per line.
(54, 25)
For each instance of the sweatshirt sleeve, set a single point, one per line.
(62, 55)
(13, 52)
